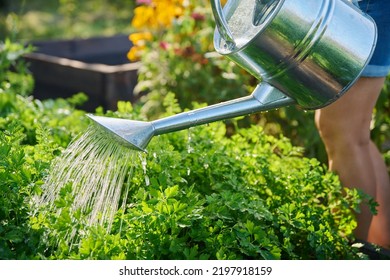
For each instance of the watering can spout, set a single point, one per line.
(137, 134)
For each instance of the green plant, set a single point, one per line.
(381, 121)
(14, 75)
(32, 133)
(205, 196)
(201, 195)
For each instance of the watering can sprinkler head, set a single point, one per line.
(132, 134)
(305, 53)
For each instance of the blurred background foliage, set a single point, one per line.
(26, 20)
(174, 41)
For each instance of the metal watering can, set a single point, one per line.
(306, 53)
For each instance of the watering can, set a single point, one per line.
(307, 53)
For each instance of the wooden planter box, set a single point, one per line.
(96, 66)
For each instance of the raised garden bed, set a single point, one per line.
(96, 66)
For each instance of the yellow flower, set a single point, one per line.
(152, 16)
(140, 37)
(134, 53)
(139, 40)
(158, 14)
(144, 16)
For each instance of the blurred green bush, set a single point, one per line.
(25, 20)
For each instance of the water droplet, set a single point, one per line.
(144, 163)
(147, 180)
(190, 149)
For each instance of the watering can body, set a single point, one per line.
(304, 52)
(312, 51)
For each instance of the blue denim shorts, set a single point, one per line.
(379, 10)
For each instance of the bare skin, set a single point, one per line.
(344, 127)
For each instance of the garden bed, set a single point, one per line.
(96, 66)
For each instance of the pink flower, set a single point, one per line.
(198, 16)
(164, 45)
(144, 2)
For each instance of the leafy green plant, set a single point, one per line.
(32, 133)
(206, 196)
(13, 71)
(381, 121)
(201, 195)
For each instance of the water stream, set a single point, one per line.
(97, 168)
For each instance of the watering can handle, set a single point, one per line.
(220, 21)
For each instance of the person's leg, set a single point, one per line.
(344, 127)
(380, 226)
